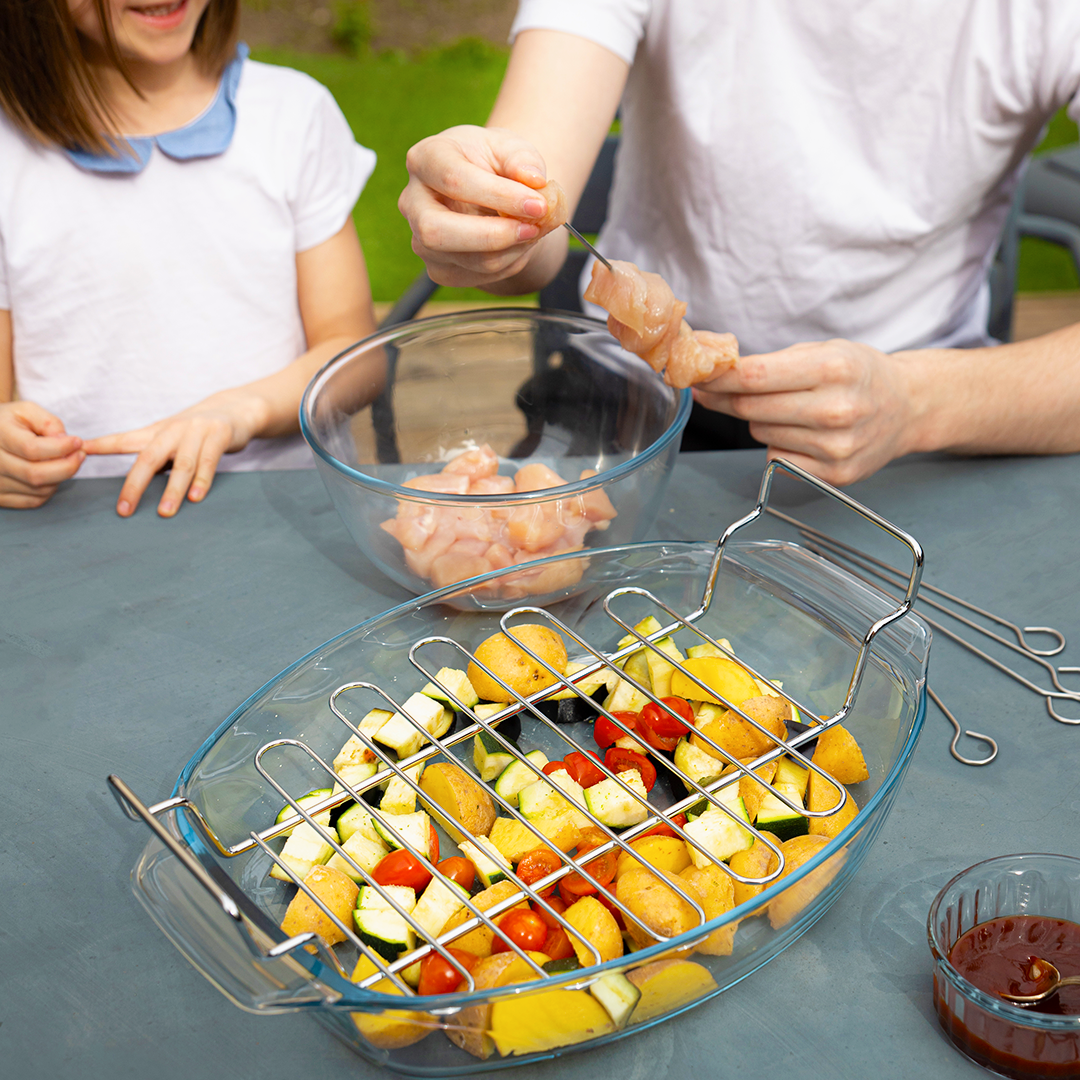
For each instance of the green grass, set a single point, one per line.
(1046, 267)
(393, 101)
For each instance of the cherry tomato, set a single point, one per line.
(675, 719)
(605, 732)
(550, 921)
(598, 871)
(553, 766)
(401, 868)
(439, 976)
(583, 769)
(618, 760)
(524, 928)
(460, 870)
(537, 864)
(657, 742)
(558, 945)
(433, 845)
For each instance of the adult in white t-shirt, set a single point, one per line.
(827, 181)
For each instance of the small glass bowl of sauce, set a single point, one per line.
(985, 929)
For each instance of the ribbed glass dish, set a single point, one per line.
(787, 613)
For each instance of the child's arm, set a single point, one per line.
(35, 452)
(335, 305)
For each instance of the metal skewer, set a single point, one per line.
(587, 245)
(960, 731)
(808, 530)
(1048, 695)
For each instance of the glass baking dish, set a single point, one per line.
(788, 613)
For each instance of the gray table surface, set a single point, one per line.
(124, 642)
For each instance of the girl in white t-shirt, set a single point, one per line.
(177, 256)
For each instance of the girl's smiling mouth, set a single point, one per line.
(162, 16)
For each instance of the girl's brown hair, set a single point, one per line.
(52, 93)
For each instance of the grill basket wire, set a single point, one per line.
(345, 792)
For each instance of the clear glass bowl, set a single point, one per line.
(999, 1036)
(540, 389)
(787, 612)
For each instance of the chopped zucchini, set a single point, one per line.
(456, 682)
(440, 900)
(788, 774)
(380, 926)
(779, 819)
(554, 795)
(487, 709)
(354, 752)
(617, 994)
(403, 737)
(357, 819)
(303, 850)
(660, 669)
(718, 834)
(489, 755)
(612, 806)
(708, 649)
(491, 865)
(625, 698)
(305, 801)
(415, 828)
(519, 774)
(364, 850)
(604, 678)
(648, 625)
(698, 766)
(561, 967)
(399, 797)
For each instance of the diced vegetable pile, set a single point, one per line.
(658, 879)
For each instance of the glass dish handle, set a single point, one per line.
(216, 927)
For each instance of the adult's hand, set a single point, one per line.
(36, 455)
(193, 440)
(838, 409)
(472, 202)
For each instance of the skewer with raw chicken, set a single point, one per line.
(643, 313)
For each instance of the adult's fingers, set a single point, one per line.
(15, 500)
(151, 460)
(800, 367)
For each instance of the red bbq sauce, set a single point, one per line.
(997, 957)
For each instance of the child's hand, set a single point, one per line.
(193, 440)
(36, 454)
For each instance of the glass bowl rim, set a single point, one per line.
(1015, 1014)
(397, 491)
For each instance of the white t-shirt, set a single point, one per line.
(135, 296)
(806, 169)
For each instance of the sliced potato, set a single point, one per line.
(716, 895)
(740, 739)
(389, 1029)
(727, 679)
(451, 789)
(598, 926)
(470, 1028)
(650, 898)
(797, 851)
(823, 795)
(336, 890)
(668, 984)
(532, 1023)
(514, 666)
(753, 862)
(839, 755)
(655, 852)
(479, 940)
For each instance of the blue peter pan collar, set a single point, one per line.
(206, 136)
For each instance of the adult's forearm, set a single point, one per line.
(1019, 398)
